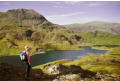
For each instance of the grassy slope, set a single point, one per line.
(96, 25)
(106, 63)
(50, 36)
(50, 41)
(12, 31)
(58, 61)
(101, 38)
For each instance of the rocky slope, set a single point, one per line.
(96, 26)
(20, 27)
(52, 72)
(24, 17)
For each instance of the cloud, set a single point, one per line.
(72, 2)
(68, 20)
(5, 3)
(59, 3)
(93, 4)
(64, 18)
(67, 15)
(67, 2)
(59, 6)
(88, 19)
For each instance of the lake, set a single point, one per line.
(50, 56)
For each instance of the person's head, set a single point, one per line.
(27, 48)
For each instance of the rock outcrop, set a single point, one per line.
(53, 72)
(13, 73)
(54, 69)
(19, 25)
(76, 73)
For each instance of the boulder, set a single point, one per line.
(28, 33)
(68, 77)
(56, 68)
(9, 72)
(75, 37)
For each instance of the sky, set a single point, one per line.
(69, 12)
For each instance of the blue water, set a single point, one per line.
(50, 56)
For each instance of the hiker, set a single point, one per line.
(28, 63)
(25, 57)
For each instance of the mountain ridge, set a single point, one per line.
(93, 22)
(95, 26)
(20, 27)
(25, 17)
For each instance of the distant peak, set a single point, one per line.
(102, 22)
(21, 10)
(24, 14)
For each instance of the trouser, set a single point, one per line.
(28, 67)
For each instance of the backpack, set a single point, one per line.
(23, 56)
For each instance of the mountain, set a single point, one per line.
(96, 26)
(25, 17)
(20, 27)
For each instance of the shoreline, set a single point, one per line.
(79, 48)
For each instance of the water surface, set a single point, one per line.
(50, 56)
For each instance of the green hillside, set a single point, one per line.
(97, 33)
(20, 27)
(101, 38)
(96, 26)
(108, 63)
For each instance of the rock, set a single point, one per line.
(75, 69)
(39, 51)
(56, 72)
(107, 77)
(68, 77)
(2, 35)
(36, 36)
(28, 33)
(11, 44)
(55, 69)
(61, 37)
(13, 73)
(76, 37)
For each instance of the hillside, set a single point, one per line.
(96, 26)
(20, 27)
(105, 65)
(58, 73)
(25, 17)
